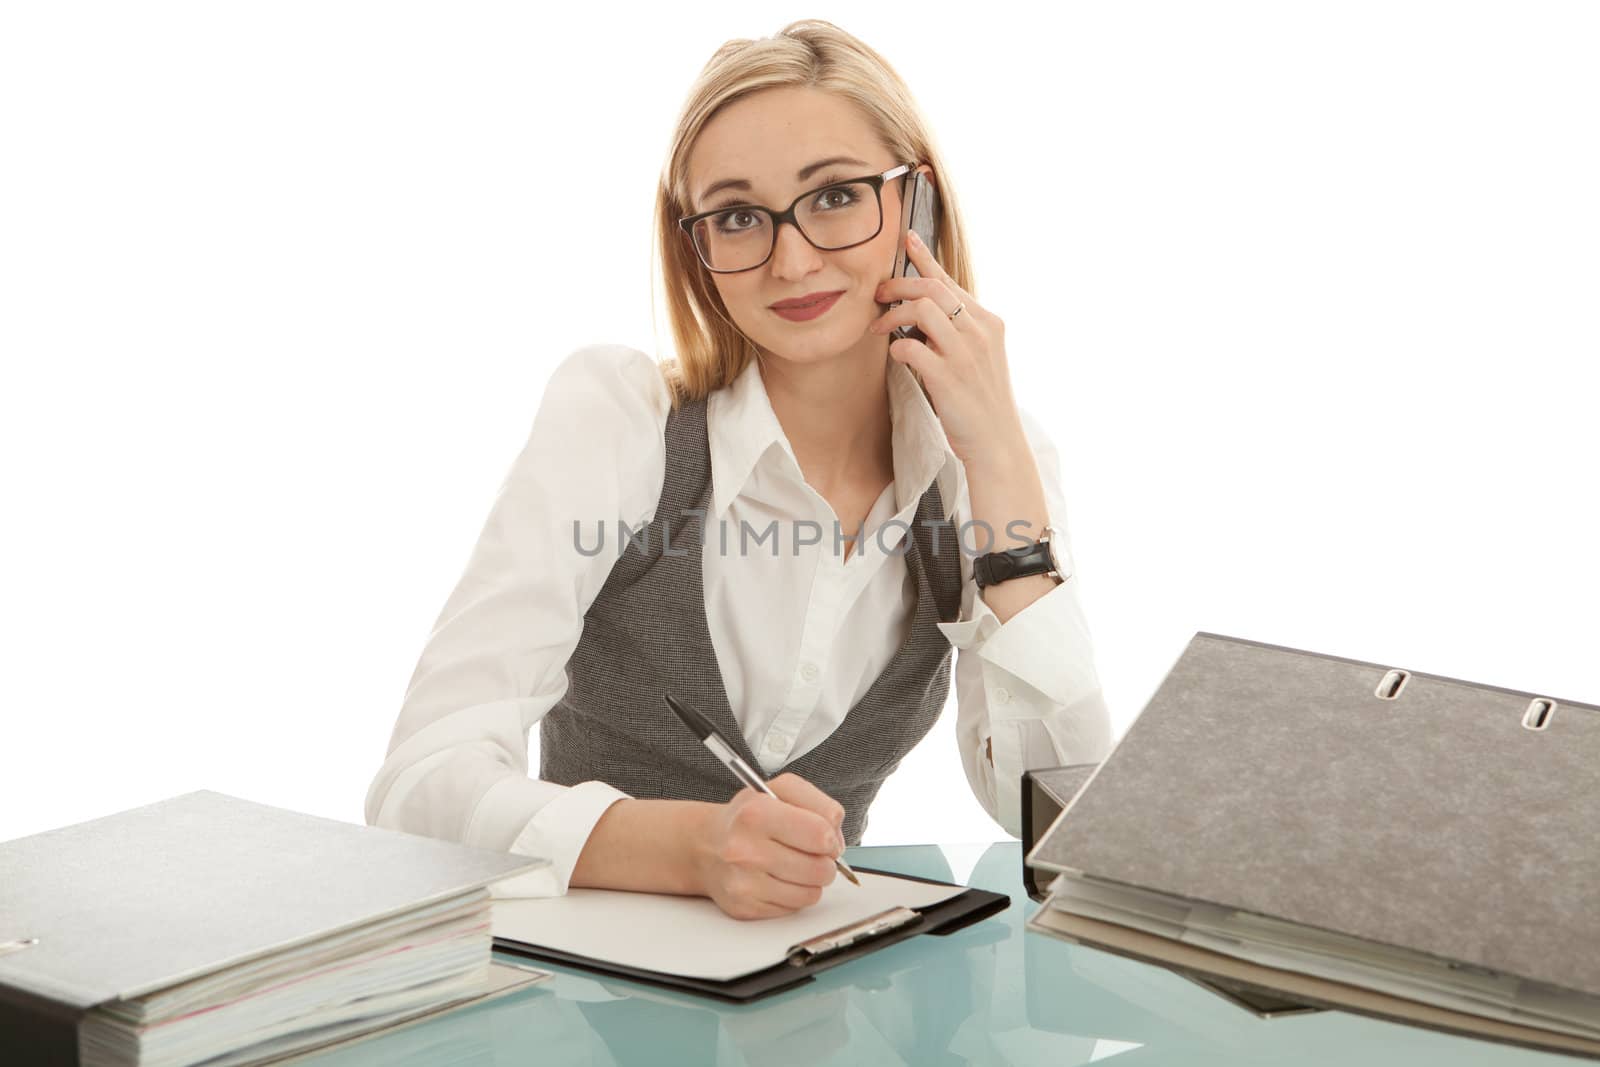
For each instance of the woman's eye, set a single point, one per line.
(836, 197)
(736, 221)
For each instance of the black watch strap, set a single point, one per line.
(994, 567)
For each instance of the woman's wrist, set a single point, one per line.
(646, 845)
(1008, 453)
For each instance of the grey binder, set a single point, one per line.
(1429, 813)
(129, 903)
(1045, 792)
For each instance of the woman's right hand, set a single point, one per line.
(762, 856)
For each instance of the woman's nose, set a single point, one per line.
(791, 252)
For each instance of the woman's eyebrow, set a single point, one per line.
(804, 173)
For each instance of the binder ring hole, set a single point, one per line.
(1537, 717)
(1392, 683)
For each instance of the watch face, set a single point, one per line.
(1050, 543)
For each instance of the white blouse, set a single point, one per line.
(800, 632)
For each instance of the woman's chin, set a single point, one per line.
(818, 344)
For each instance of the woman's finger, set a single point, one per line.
(907, 289)
(787, 895)
(797, 867)
(793, 789)
(929, 317)
(920, 358)
(800, 829)
(922, 258)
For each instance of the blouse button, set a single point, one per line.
(1002, 695)
(809, 671)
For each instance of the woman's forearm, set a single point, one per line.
(647, 845)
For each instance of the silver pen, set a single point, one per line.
(741, 770)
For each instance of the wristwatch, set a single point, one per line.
(1037, 558)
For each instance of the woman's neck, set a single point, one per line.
(836, 416)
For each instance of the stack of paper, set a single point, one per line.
(1298, 950)
(1350, 835)
(349, 983)
(209, 929)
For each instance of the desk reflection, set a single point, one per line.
(983, 995)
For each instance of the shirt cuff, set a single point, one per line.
(1041, 645)
(974, 630)
(1030, 644)
(557, 832)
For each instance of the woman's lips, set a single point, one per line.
(803, 312)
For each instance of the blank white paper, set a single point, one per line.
(691, 936)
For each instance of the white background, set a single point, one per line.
(1306, 295)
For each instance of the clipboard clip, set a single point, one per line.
(834, 940)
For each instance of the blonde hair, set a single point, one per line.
(711, 350)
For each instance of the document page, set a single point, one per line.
(691, 936)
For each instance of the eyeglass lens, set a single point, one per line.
(836, 217)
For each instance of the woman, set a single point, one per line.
(796, 499)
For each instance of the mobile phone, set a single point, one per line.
(919, 211)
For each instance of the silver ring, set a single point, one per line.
(957, 311)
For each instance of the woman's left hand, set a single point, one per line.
(963, 361)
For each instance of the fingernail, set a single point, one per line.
(914, 238)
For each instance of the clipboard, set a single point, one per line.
(806, 958)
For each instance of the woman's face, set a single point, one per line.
(768, 139)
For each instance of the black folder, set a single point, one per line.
(940, 919)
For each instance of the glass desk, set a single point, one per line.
(985, 995)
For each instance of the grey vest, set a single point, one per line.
(646, 635)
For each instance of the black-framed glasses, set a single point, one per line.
(838, 215)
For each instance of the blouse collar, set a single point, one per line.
(743, 430)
